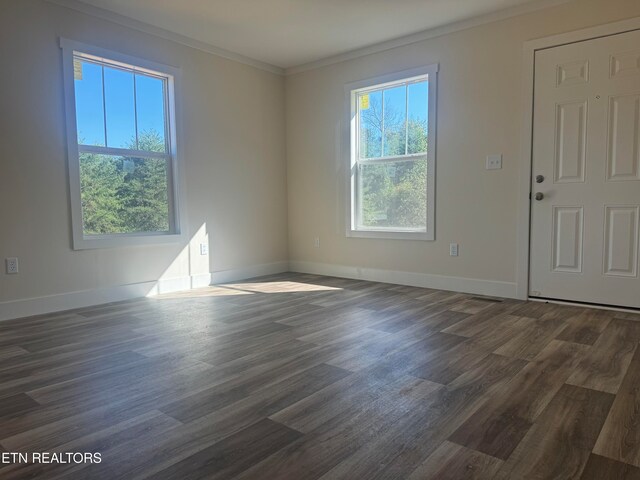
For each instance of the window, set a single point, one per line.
(122, 148)
(392, 145)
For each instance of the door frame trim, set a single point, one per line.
(526, 153)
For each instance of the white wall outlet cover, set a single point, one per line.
(11, 265)
(204, 249)
(494, 162)
(453, 249)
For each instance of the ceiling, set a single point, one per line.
(288, 33)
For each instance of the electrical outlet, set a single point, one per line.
(204, 249)
(494, 162)
(453, 249)
(316, 242)
(12, 265)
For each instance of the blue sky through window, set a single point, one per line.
(419, 101)
(120, 103)
(400, 103)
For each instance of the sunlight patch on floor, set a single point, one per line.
(248, 288)
(278, 287)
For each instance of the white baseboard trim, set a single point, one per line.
(200, 280)
(441, 282)
(66, 301)
(225, 276)
(85, 298)
(180, 284)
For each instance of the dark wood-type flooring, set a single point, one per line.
(304, 377)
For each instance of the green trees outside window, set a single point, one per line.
(125, 194)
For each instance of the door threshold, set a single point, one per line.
(597, 306)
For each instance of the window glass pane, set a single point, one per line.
(150, 112)
(89, 107)
(123, 194)
(370, 111)
(418, 117)
(394, 194)
(119, 101)
(395, 117)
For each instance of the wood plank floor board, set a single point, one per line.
(378, 345)
(113, 363)
(499, 426)
(234, 454)
(416, 435)
(620, 436)
(540, 309)
(139, 459)
(471, 305)
(455, 462)
(321, 449)
(25, 365)
(446, 368)
(491, 318)
(602, 468)
(531, 338)
(560, 442)
(121, 382)
(142, 460)
(358, 389)
(627, 316)
(200, 404)
(586, 327)
(11, 351)
(144, 426)
(607, 362)
(16, 404)
(304, 376)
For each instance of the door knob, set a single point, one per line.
(539, 178)
(539, 196)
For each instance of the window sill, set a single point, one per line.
(391, 235)
(114, 241)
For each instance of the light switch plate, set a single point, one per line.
(494, 162)
(204, 249)
(453, 249)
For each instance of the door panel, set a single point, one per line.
(623, 159)
(621, 241)
(571, 141)
(586, 148)
(567, 239)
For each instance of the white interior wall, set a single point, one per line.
(232, 123)
(480, 112)
(256, 210)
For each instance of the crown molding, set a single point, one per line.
(342, 57)
(165, 34)
(427, 34)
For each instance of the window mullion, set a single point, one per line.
(167, 124)
(121, 152)
(104, 108)
(382, 122)
(406, 119)
(399, 158)
(135, 108)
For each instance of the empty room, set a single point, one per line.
(320, 239)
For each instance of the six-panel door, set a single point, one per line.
(585, 229)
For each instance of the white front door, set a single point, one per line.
(585, 205)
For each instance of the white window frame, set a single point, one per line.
(177, 215)
(351, 92)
